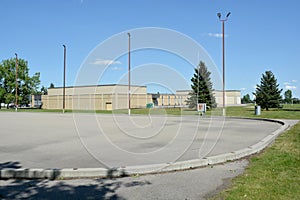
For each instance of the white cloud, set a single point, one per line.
(243, 89)
(290, 87)
(217, 35)
(105, 62)
(116, 68)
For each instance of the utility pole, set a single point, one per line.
(64, 81)
(223, 56)
(16, 93)
(129, 89)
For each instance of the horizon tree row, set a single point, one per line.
(27, 85)
(267, 93)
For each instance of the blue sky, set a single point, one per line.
(260, 35)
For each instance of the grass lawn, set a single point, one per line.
(287, 112)
(273, 174)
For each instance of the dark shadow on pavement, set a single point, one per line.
(46, 189)
(11, 164)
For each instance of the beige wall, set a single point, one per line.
(171, 100)
(107, 97)
(96, 102)
(101, 89)
(232, 97)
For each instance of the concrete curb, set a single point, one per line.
(7, 173)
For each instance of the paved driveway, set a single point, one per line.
(58, 141)
(52, 140)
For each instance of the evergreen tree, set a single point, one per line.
(267, 94)
(44, 91)
(202, 88)
(246, 99)
(288, 97)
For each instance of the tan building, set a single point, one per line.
(100, 97)
(115, 96)
(232, 97)
(165, 100)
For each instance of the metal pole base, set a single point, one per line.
(224, 112)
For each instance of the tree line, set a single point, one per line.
(26, 85)
(267, 93)
(288, 98)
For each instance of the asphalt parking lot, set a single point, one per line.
(51, 140)
(54, 140)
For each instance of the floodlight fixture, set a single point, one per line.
(228, 14)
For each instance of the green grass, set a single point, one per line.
(29, 110)
(164, 111)
(56, 110)
(287, 112)
(273, 174)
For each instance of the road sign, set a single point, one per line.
(201, 107)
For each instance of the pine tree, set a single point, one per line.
(246, 99)
(267, 94)
(288, 96)
(202, 88)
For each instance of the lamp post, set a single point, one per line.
(223, 56)
(198, 81)
(128, 73)
(64, 81)
(16, 93)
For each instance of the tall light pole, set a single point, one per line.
(198, 81)
(128, 73)
(64, 82)
(223, 56)
(16, 93)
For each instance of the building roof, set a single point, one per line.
(104, 85)
(213, 90)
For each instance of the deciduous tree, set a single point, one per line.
(27, 84)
